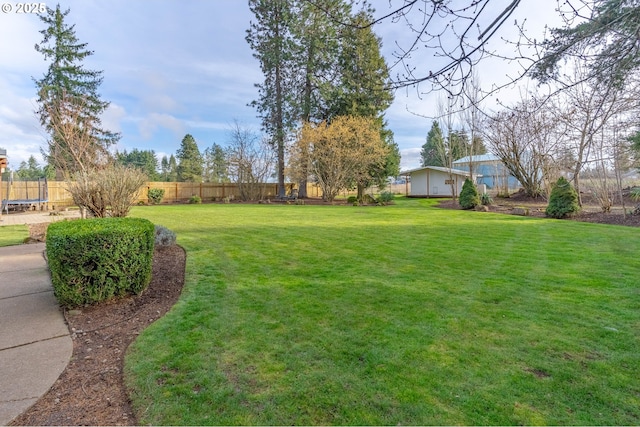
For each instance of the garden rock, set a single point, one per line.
(520, 211)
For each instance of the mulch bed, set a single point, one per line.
(536, 208)
(91, 389)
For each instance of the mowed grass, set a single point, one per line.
(405, 314)
(13, 234)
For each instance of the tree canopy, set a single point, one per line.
(144, 160)
(69, 105)
(189, 160)
(604, 39)
(343, 152)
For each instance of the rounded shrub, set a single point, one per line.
(563, 200)
(386, 198)
(155, 195)
(469, 197)
(164, 236)
(93, 260)
(195, 200)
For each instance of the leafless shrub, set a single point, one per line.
(110, 191)
(250, 162)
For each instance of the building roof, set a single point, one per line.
(478, 159)
(437, 168)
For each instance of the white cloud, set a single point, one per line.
(155, 121)
(410, 158)
(112, 117)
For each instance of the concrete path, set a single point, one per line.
(36, 217)
(35, 345)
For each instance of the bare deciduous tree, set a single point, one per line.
(585, 107)
(250, 162)
(525, 140)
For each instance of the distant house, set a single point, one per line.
(435, 181)
(493, 173)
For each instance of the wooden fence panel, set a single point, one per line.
(174, 192)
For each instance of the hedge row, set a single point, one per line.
(93, 260)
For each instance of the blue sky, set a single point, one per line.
(176, 67)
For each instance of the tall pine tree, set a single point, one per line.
(270, 38)
(363, 89)
(316, 31)
(432, 150)
(68, 96)
(189, 160)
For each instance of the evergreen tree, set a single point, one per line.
(270, 38)
(431, 153)
(363, 91)
(469, 197)
(68, 93)
(173, 169)
(315, 31)
(364, 76)
(607, 42)
(145, 160)
(164, 168)
(563, 200)
(216, 166)
(30, 170)
(189, 160)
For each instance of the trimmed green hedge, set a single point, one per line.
(93, 260)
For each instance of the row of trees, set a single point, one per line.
(585, 130)
(323, 71)
(581, 119)
(318, 73)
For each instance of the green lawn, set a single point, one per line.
(13, 234)
(392, 315)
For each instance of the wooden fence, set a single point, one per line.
(174, 192)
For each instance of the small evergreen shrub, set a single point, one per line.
(385, 198)
(486, 199)
(469, 198)
(155, 195)
(93, 260)
(352, 199)
(195, 200)
(563, 200)
(635, 196)
(164, 236)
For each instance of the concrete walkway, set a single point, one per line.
(35, 217)
(35, 345)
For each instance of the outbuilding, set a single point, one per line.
(492, 172)
(436, 181)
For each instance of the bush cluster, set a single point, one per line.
(469, 198)
(385, 198)
(155, 195)
(563, 200)
(110, 191)
(164, 236)
(195, 200)
(93, 260)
